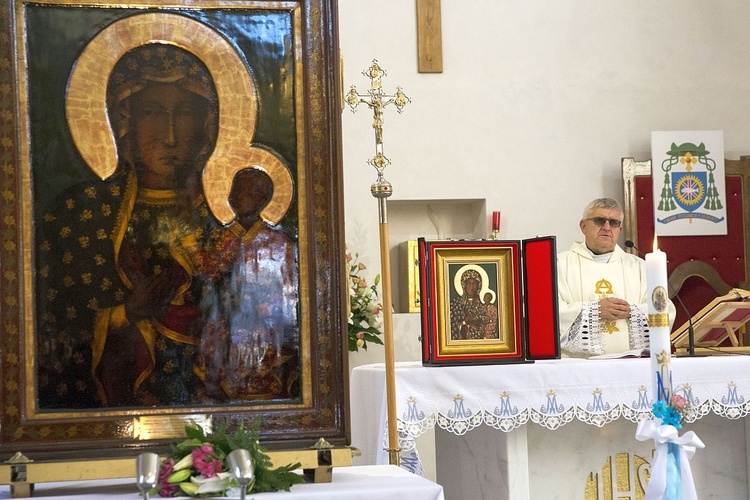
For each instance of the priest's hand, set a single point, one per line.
(611, 309)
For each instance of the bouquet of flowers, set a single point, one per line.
(198, 467)
(364, 309)
(673, 411)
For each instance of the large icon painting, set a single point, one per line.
(165, 271)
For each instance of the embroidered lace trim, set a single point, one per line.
(638, 325)
(585, 335)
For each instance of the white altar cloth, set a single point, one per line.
(362, 483)
(547, 393)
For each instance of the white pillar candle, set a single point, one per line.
(658, 324)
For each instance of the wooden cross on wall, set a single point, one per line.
(429, 37)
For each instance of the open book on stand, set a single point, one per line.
(718, 327)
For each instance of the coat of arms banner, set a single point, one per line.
(688, 179)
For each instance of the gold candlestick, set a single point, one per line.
(381, 189)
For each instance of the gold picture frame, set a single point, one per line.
(274, 67)
(488, 301)
(473, 311)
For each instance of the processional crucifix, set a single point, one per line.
(381, 189)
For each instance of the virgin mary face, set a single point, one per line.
(471, 288)
(163, 108)
(169, 134)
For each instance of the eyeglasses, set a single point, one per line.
(600, 221)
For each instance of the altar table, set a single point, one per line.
(530, 417)
(360, 482)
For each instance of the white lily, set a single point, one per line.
(216, 484)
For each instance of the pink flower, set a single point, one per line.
(208, 468)
(166, 489)
(202, 452)
(205, 462)
(360, 335)
(679, 402)
(166, 469)
(361, 266)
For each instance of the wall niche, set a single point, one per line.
(430, 219)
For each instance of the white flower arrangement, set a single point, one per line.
(365, 311)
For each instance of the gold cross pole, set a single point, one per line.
(381, 189)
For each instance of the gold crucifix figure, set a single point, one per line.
(377, 100)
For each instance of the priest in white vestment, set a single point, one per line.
(602, 289)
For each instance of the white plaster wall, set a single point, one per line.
(537, 103)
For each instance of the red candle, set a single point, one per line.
(496, 221)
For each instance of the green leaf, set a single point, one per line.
(371, 330)
(195, 432)
(189, 444)
(281, 478)
(369, 337)
(353, 344)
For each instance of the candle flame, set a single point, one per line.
(656, 246)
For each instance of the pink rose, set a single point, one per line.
(678, 402)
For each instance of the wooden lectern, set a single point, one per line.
(716, 324)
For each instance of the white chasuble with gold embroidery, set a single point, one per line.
(582, 283)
